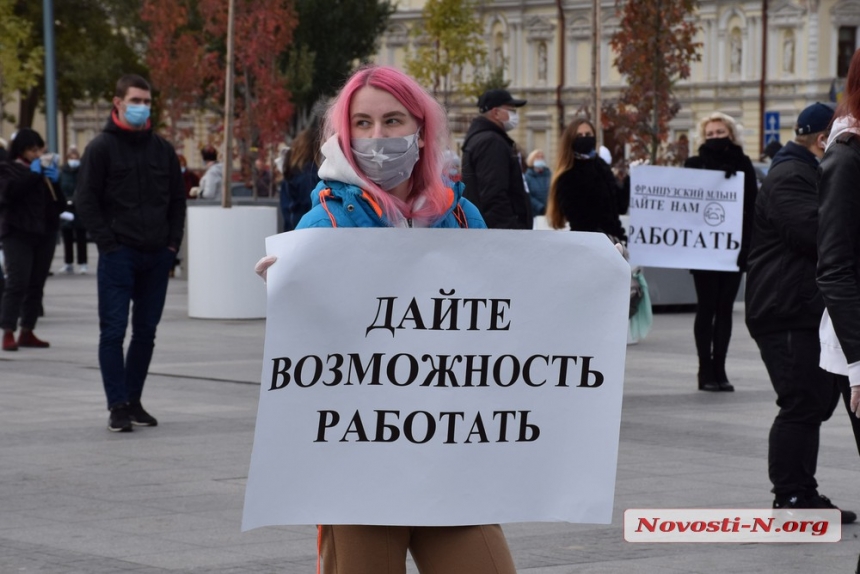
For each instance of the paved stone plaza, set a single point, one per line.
(77, 499)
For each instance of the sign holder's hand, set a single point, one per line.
(262, 266)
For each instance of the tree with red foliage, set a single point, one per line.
(264, 30)
(173, 56)
(654, 48)
(186, 56)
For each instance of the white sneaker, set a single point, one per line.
(67, 268)
(82, 269)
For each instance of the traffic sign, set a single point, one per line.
(771, 127)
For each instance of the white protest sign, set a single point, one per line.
(432, 377)
(685, 218)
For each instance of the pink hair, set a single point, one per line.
(427, 174)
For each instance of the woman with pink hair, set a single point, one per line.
(384, 166)
(382, 113)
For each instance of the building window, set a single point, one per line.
(847, 43)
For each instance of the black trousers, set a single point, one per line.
(715, 298)
(806, 396)
(74, 237)
(28, 260)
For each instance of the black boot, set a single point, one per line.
(706, 375)
(720, 376)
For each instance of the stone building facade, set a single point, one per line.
(547, 48)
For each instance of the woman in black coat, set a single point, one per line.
(716, 290)
(30, 206)
(583, 191)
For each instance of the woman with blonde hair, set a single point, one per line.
(538, 178)
(716, 290)
(384, 167)
(583, 191)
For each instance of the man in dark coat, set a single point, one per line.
(492, 164)
(784, 308)
(131, 198)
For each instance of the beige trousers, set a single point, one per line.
(359, 549)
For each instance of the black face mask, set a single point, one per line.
(584, 145)
(718, 144)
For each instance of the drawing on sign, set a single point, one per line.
(714, 214)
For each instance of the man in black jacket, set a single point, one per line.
(783, 311)
(492, 166)
(131, 199)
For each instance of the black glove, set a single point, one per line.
(742, 259)
(730, 171)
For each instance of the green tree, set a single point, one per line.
(449, 42)
(331, 36)
(20, 59)
(95, 41)
(655, 47)
(494, 79)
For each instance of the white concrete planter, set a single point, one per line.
(223, 246)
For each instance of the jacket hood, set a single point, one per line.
(794, 152)
(114, 127)
(841, 125)
(545, 172)
(216, 169)
(481, 124)
(335, 166)
(368, 212)
(10, 169)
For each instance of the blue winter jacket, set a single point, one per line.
(538, 182)
(349, 206)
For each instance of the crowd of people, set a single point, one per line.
(382, 157)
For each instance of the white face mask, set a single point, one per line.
(512, 122)
(74, 163)
(387, 162)
(540, 165)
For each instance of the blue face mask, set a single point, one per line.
(136, 114)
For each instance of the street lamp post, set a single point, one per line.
(50, 75)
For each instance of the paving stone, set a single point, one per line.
(76, 499)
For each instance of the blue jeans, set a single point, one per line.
(127, 278)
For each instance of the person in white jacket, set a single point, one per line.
(211, 182)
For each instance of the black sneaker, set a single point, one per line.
(120, 420)
(821, 501)
(787, 502)
(814, 501)
(140, 417)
